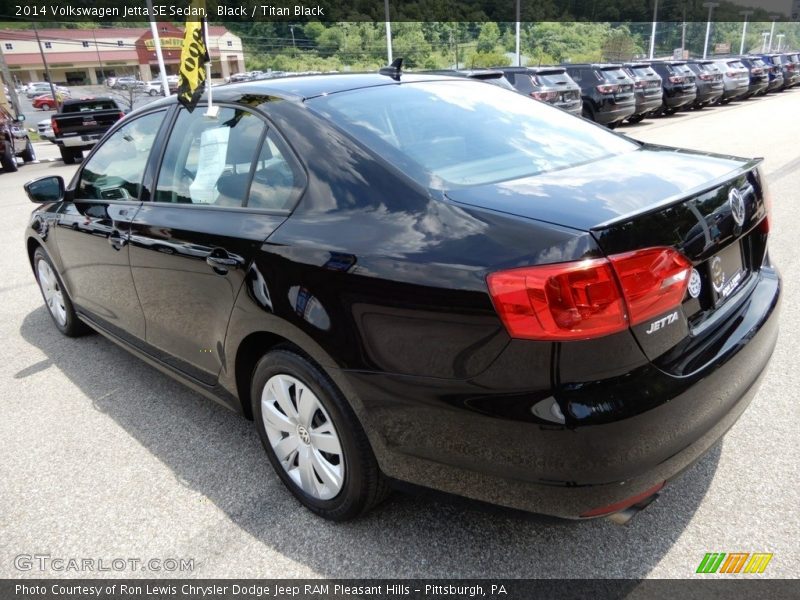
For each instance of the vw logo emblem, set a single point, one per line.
(695, 284)
(737, 206)
(717, 274)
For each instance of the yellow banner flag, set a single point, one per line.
(194, 55)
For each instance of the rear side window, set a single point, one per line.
(227, 161)
(451, 133)
(276, 179)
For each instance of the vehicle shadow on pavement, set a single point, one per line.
(217, 453)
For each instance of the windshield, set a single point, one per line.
(453, 133)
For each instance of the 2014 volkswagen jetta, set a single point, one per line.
(423, 279)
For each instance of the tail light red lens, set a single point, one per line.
(565, 301)
(589, 298)
(675, 79)
(705, 77)
(54, 125)
(545, 96)
(608, 88)
(653, 281)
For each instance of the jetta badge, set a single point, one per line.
(737, 206)
(695, 284)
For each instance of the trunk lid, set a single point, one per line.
(709, 208)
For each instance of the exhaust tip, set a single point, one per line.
(624, 516)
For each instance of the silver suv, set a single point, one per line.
(735, 77)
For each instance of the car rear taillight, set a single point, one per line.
(120, 115)
(608, 88)
(54, 126)
(705, 77)
(589, 298)
(640, 84)
(653, 281)
(544, 96)
(675, 79)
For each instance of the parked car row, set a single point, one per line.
(613, 93)
(153, 87)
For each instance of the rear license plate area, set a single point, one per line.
(726, 272)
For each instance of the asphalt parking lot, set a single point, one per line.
(105, 457)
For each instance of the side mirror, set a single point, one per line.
(45, 189)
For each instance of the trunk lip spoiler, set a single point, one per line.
(748, 165)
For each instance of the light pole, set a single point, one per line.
(764, 38)
(771, 33)
(519, 56)
(710, 6)
(653, 31)
(389, 32)
(780, 37)
(745, 14)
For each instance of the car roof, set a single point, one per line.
(304, 87)
(79, 100)
(594, 65)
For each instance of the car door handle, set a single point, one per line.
(221, 261)
(116, 240)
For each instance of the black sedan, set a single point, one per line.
(415, 278)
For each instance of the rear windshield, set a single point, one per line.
(551, 78)
(452, 133)
(89, 106)
(644, 71)
(612, 74)
(736, 64)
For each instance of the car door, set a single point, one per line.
(93, 230)
(224, 185)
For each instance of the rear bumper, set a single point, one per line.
(732, 92)
(614, 113)
(485, 438)
(647, 105)
(708, 96)
(679, 99)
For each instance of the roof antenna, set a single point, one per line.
(394, 70)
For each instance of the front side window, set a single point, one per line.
(451, 133)
(115, 170)
(210, 161)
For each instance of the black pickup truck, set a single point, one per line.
(80, 124)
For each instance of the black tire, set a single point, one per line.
(28, 155)
(69, 156)
(8, 161)
(363, 486)
(635, 119)
(72, 326)
(588, 113)
(153, 92)
(45, 107)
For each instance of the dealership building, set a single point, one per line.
(88, 56)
